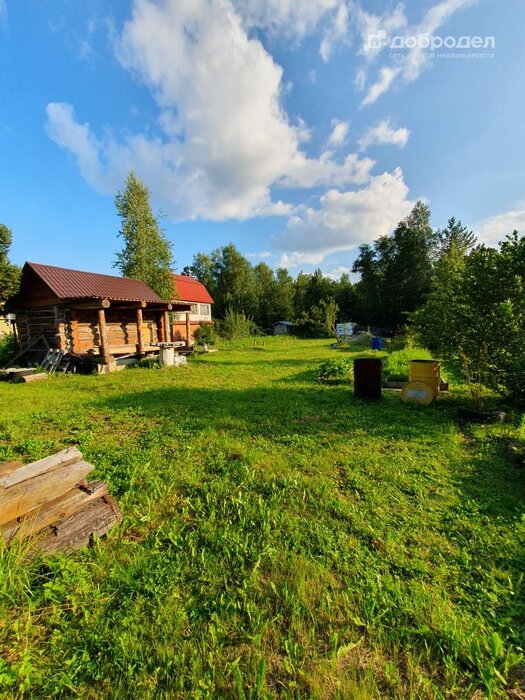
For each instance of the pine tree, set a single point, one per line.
(147, 253)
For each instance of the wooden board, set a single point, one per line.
(19, 499)
(53, 511)
(75, 532)
(8, 467)
(42, 466)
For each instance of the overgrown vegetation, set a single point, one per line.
(279, 539)
(8, 348)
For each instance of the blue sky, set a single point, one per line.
(293, 128)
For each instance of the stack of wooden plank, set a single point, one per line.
(51, 502)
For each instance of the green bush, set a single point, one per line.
(336, 371)
(236, 325)
(7, 348)
(205, 334)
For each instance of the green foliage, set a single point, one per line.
(280, 539)
(235, 325)
(476, 313)
(319, 321)
(396, 365)
(336, 371)
(147, 253)
(205, 334)
(396, 271)
(8, 348)
(9, 273)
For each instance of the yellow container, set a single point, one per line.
(417, 392)
(428, 371)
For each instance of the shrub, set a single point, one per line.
(235, 325)
(8, 348)
(336, 371)
(205, 334)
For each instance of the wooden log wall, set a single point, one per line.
(77, 330)
(51, 322)
(121, 328)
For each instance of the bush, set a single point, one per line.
(236, 325)
(336, 371)
(205, 334)
(8, 348)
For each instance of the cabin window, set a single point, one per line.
(205, 309)
(194, 308)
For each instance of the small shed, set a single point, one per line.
(95, 317)
(282, 327)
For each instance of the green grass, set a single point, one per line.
(280, 539)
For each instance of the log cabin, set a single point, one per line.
(95, 317)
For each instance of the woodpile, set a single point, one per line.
(51, 502)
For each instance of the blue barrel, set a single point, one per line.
(377, 343)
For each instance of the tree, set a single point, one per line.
(396, 271)
(203, 270)
(236, 287)
(455, 236)
(147, 253)
(9, 273)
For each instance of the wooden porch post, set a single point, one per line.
(140, 332)
(188, 329)
(167, 327)
(104, 344)
(162, 328)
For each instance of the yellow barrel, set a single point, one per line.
(428, 371)
(417, 392)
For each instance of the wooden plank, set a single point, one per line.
(167, 327)
(75, 532)
(68, 456)
(31, 378)
(8, 467)
(18, 500)
(53, 511)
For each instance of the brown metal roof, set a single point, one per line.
(73, 284)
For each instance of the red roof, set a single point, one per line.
(73, 284)
(190, 289)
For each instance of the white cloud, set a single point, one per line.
(493, 230)
(383, 133)
(226, 138)
(345, 220)
(387, 75)
(63, 128)
(335, 32)
(395, 24)
(339, 133)
(289, 18)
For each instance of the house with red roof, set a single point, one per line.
(97, 318)
(191, 291)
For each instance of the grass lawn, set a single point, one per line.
(280, 539)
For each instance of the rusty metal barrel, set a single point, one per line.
(367, 378)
